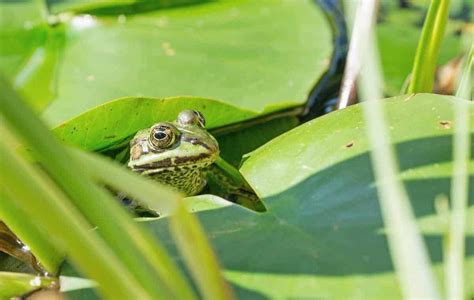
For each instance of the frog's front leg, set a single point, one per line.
(226, 181)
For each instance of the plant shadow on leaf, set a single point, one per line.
(329, 223)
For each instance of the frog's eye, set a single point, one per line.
(163, 136)
(191, 117)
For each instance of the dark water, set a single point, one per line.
(324, 95)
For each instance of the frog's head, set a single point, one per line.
(181, 144)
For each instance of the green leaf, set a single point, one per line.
(30, 50)
(21, 28)
(28, 231)
(117, 120)
(250, 53)
(323, 234)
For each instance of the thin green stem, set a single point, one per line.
(198, 255)
(41, 201)
(149, 193)
(129, 240)
(43, 8)
(454, 256)
(406, 244)
(424, 66)
(14, 284)
(28, 232)
(464, 89)
(187, 231)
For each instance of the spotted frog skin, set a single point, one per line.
(175, 153)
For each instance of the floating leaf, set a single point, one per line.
(323, 235)
(250, 53)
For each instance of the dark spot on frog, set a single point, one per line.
(109, 137)
(196, 141)
(349, 145)
(445, 124)
(179, 160)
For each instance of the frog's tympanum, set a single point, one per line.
(182, 154)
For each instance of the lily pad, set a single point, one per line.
(323, 235)
(117, 120)
(30, 50)
(250, 53)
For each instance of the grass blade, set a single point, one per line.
(424, 66)
(455, 243)
(41, 201)
(150, 193)
(406, 245)
(198, 255)
(464, 89)
(13, 284)
(26, 229)
(191, 239)
(130, 241)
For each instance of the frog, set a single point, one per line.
(182, 154)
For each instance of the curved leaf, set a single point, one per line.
(114, 121)
(250, 53)
(323, 235)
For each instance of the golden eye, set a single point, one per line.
(163, 136)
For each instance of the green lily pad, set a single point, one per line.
(18, 31)
(117, 120)
(251, 53)
(30, 50)
(323, 235)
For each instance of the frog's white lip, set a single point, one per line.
(172, 162)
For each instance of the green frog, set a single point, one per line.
(184, 155)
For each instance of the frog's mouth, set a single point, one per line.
(201, 160)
